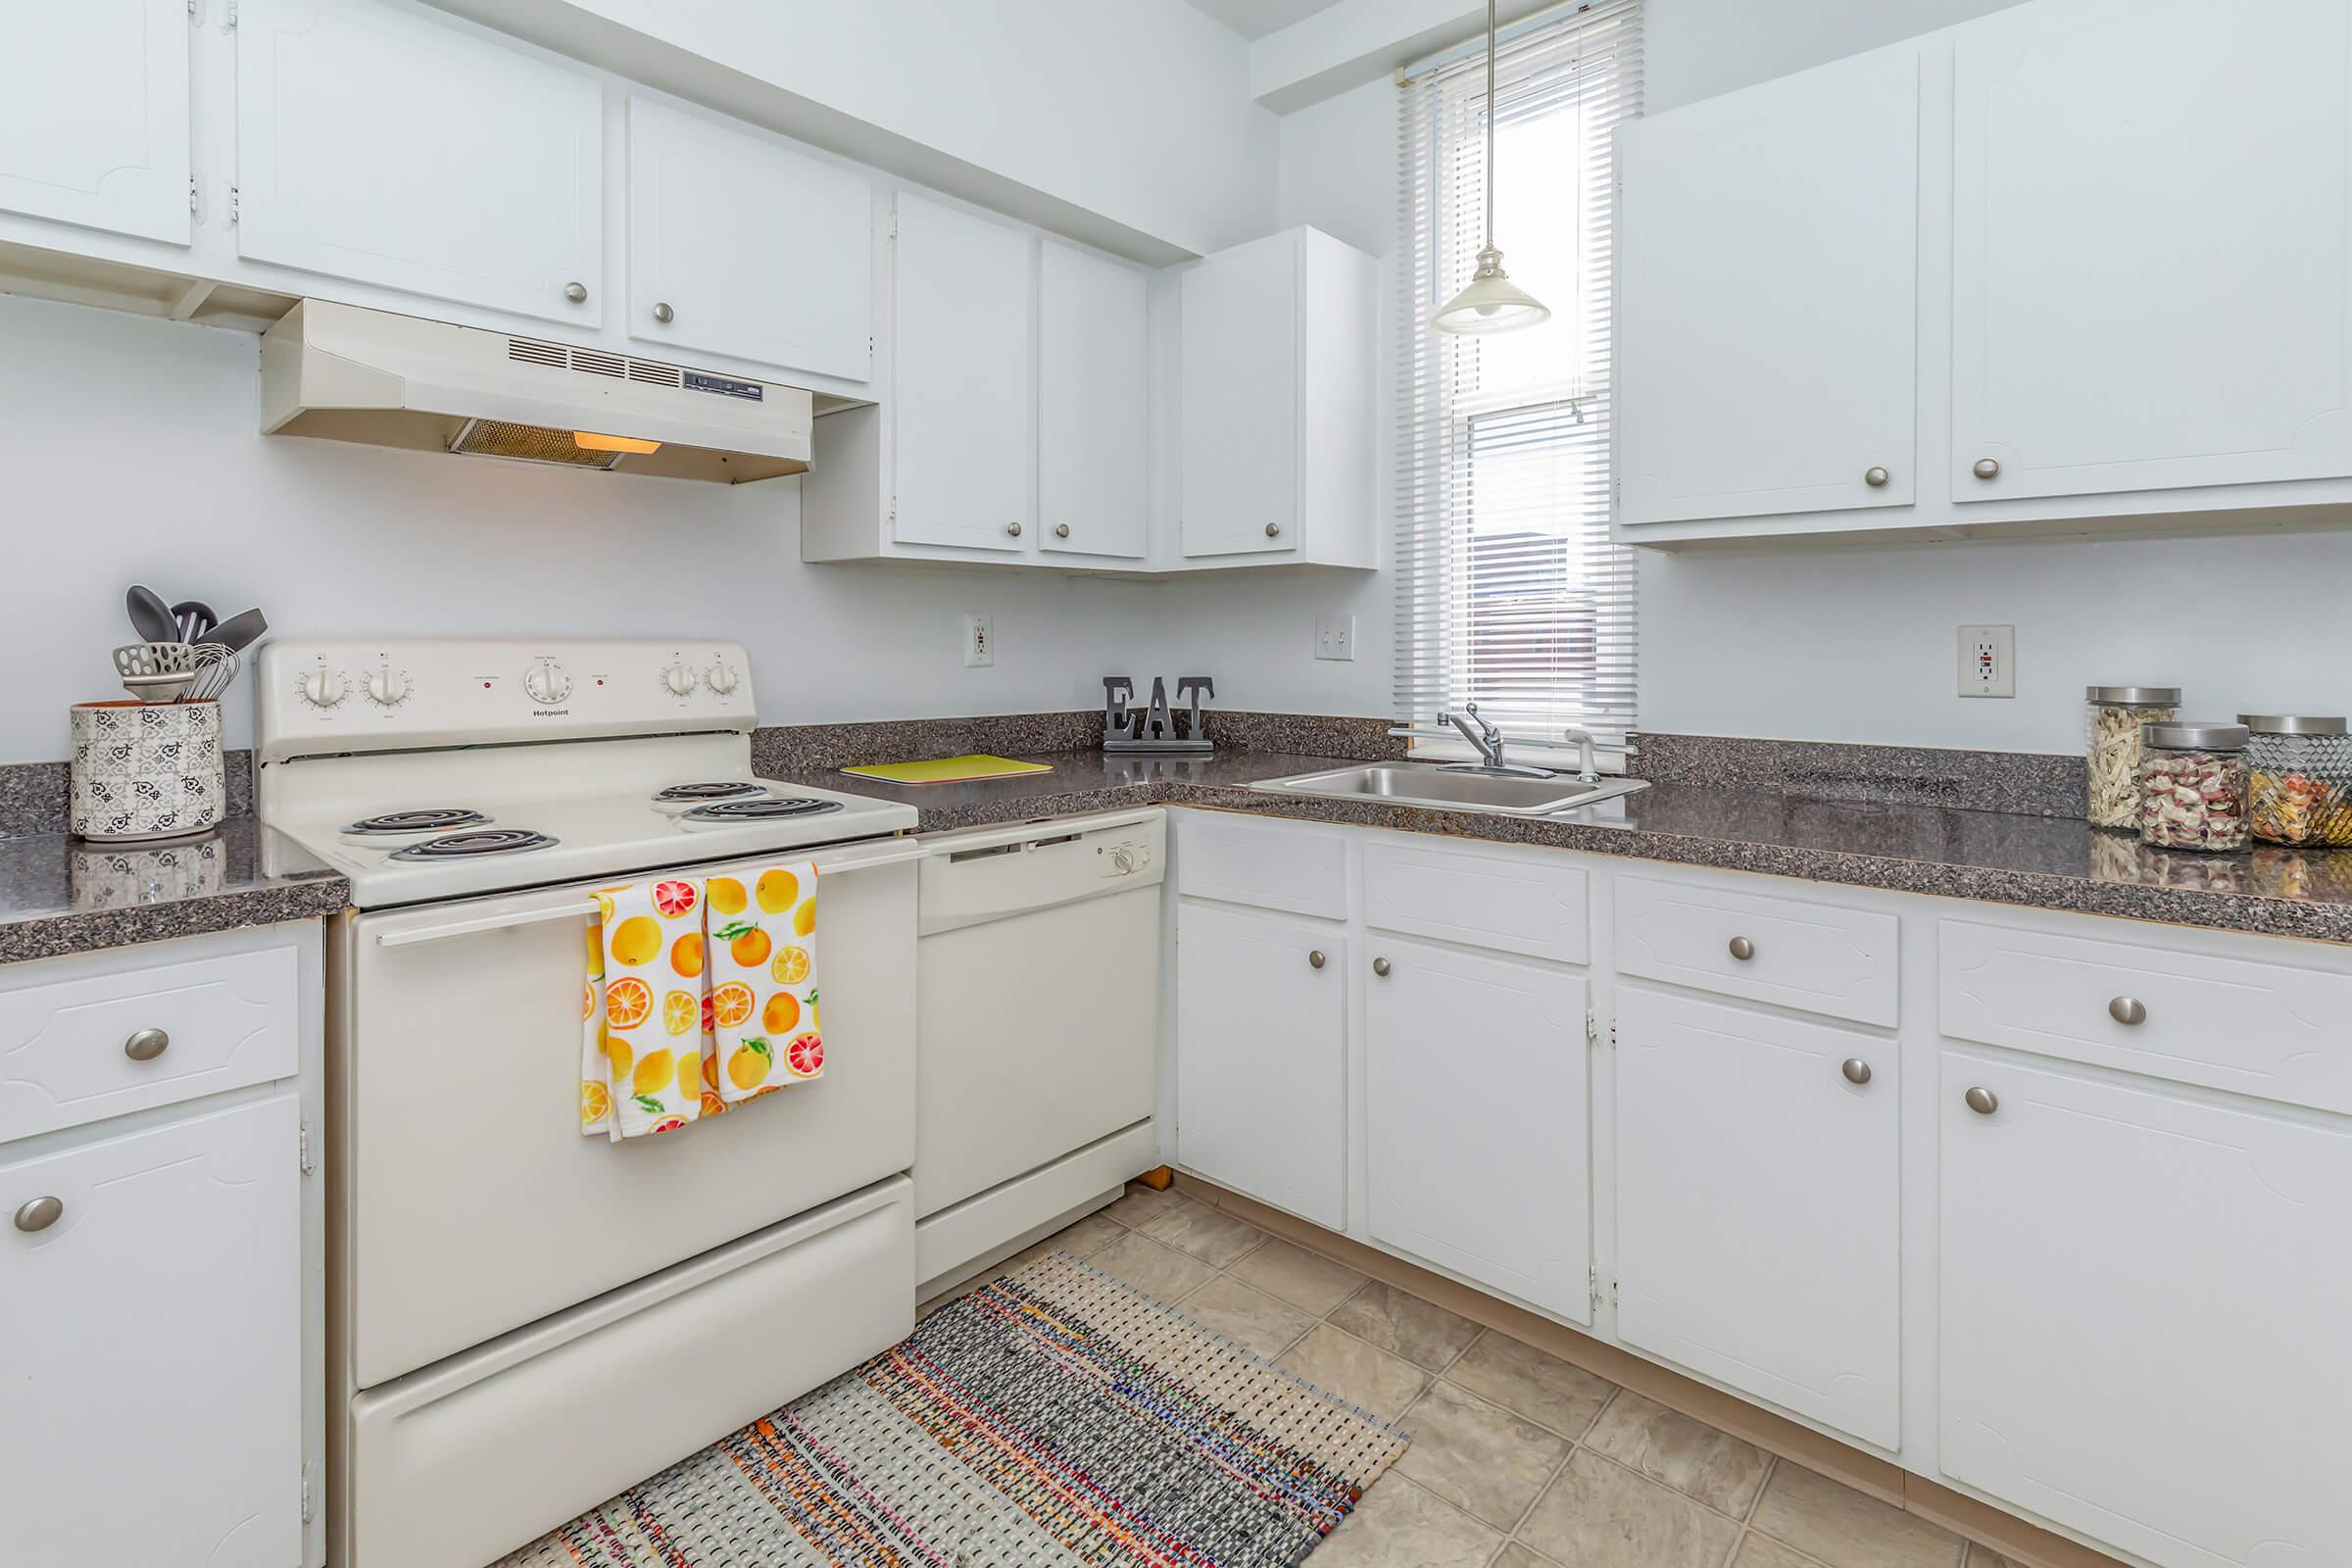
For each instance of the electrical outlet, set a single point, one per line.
(979, 643)
(1989, 660)
(1335, 637)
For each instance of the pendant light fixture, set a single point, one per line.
(1493, 303)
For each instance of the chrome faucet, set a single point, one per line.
(1488, 742)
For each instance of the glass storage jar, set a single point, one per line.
(2300, 790)
(2117, 714)
(2193, 786)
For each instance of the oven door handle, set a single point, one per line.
(857, 858)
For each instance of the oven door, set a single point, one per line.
(466, 1200)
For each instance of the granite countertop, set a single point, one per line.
(2003, 857)
(60, 895)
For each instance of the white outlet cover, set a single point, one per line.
(979, 643)
(1987, 661)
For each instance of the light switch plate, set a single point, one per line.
(1989, 660)
(1335, 637)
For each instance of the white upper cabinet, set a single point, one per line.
(1093, 476)
(2152, 229)
(742, 245)
(1277, 383)
(94, 109)
(377, 145)
(1767, 297)
(960, 391)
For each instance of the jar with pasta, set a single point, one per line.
(2193, 786)
(2117, 714)
(2300, 790)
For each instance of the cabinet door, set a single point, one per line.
(750, 247)
(1477, 1137)
(959, 389)
(1241, 400)
(2142, 1324)
(2152, 270)
(153, 1353)
(1757, 1206)
(1767, 298)
(378, 145)
(1092, 492)
(1261, 1054)
(95, 115)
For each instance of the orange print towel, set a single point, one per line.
(763, 980)
(646, 1013)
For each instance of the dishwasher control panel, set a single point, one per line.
(996, 873)
(1123, 855)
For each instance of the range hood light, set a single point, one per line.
(590, 441)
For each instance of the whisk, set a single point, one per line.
(215, 669)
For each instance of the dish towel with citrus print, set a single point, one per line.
(646, 1014)
(764, 981)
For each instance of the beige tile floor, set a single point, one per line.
(1519, 1460)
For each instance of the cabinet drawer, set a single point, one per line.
(1817, 957)
(228, 1020)
(2224, 1023)
(1530, 902)
(1272, 865)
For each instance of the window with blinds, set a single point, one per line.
(1510, 592)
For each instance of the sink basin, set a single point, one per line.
(1426, 785)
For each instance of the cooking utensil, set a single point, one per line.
(238, 632)
(164, 688)
(150, 617)
(166, 658)
(215, 668)
(195, 618)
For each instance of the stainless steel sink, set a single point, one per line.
(1426, 785)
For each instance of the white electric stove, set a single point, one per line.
(501, 1289)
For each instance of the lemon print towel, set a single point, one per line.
(646, 1014)
(763, 980)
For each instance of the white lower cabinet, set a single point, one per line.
(2144, 1298)
(153, 1346)
(1758, 1206)
(1261, 1042)
(1477, 1124)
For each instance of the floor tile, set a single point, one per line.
(1516, 1555)
(1602, 1515)
(1987, 1557)
(1139, 1205)
(1305, 1279)
(1540, 1387)
(1479, 1456)
(1762, 1551)
(1403, 1324)
(1691, 1457)
(1844, 1529)
(1363, 1375)
(1157, 1271)
(1246, 1315)
(1209, 1234)
(1399, 1525)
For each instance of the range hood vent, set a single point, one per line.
(346, 374)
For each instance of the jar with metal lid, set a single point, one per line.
(2193, 786)
(2117, 714)
(2300, 789)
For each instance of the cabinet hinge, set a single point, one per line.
(196, 199)
(229, 21)
(894, 223)
(309, 1491)
(196, 12)
(1593, 1286)
(303, 1153)
(232, 204)
(1591, 1028)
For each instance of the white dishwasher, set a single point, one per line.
(1037, 1028)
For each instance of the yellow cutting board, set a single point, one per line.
(948, 770)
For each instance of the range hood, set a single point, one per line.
(371, 376)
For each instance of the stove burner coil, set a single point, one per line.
(464, 846)
(766, 809)
(705, 791)
(440, 819)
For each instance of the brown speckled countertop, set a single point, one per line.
(2041, 861)
(59, 894)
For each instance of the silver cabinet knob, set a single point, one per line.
(1314, 960)
(1856, 1071)
(1742, 948)
(1273, 530)
(1062, 531)
(146, 1045)
(2128, 1011)
(1983, 1102)
(1014, 528)
(663, 313)
(1986, 468)
(1380, 966)
(40, 1214)
(1876, 478)
(577, 293)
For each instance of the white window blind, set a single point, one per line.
(1510, 592)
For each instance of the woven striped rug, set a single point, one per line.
(1055, 1418)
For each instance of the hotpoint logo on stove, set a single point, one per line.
(550, 713)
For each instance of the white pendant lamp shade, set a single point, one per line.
(1493, 303)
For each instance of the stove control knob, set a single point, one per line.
(323, 688)
(679, 679)
(388, 687)
(546, 681)
(722, 677)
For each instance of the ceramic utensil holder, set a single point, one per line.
(127, 876)
(145, 771)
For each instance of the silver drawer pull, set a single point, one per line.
(1742, 948)
(2128, 1011)
(1856, 1071)
(40, 1214)
(1876, 478)
(1380, 967)
(1983, 1102)
(1314, 960)
(1986, 468)
(146, 1045)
